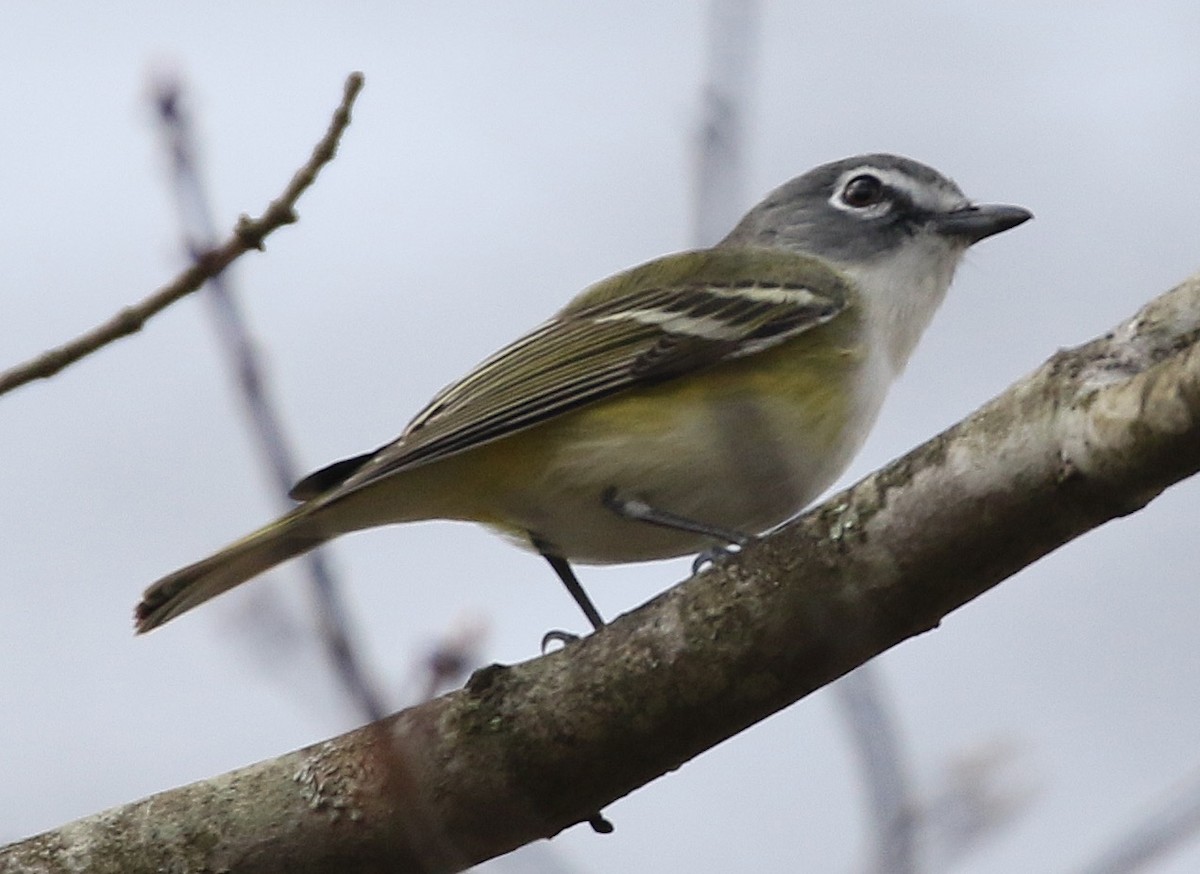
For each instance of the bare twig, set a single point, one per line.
(199, 235)
(248, 234)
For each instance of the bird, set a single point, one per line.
(680, 406)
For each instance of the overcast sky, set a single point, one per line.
(503, 156)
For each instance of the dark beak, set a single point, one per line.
(979, 221)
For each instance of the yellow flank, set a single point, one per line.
(758, 428)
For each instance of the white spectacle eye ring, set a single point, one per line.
(865, 194)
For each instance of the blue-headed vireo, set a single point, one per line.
(693, 400)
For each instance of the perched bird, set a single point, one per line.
(687, 403)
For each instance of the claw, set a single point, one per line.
(713, 555)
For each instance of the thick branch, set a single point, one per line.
(248, 234)
(524, 751)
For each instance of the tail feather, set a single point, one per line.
(188, 587)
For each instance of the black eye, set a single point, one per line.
(862, 191)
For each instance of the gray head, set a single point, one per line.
(897, 227)
(855, 209)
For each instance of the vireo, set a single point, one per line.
(691, 401)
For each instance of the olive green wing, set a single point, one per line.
(669, 317)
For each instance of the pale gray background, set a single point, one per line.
(502, 157)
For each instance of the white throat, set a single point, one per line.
(902, 291)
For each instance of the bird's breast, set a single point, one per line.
(741, 446)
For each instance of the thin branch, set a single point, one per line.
(524, 751)
(248, 234)
(199, 231)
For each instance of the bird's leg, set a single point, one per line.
(639, 511)
(562, 567)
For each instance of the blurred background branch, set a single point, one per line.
(246, 366)
(892, 812)
(1165, 830)
(719, 180)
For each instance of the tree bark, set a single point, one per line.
(524, 751)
